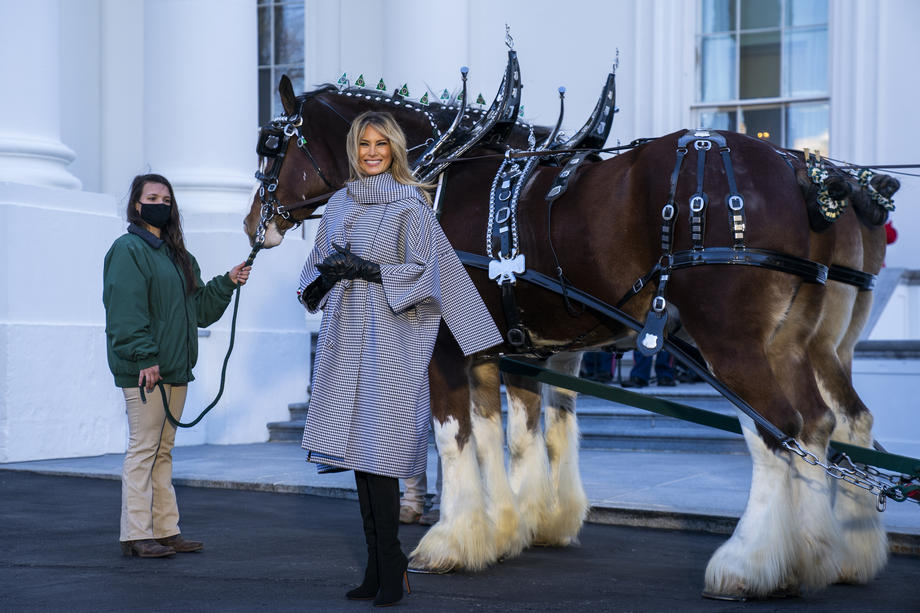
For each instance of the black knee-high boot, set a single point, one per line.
(371, 585)
(391, 561)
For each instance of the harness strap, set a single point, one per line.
(734, 201)
(678, 348)
(502, 204)
(670, 210)
(699, 200)
(560, 185)
(811, 272)
(863, 280)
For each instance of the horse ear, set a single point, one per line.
(286, 90)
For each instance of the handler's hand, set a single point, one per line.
(239, 274)
(149, 377)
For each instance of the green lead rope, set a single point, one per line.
(223, 371)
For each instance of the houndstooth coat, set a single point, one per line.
(369, 404)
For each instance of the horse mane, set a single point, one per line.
(438, 112)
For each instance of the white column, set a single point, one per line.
(200, 102)
(31, 150)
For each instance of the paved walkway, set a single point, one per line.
(696, 491)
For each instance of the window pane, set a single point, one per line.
(760, 62)
(763, 123)
(718, 15)
(265, 36)
(721, 119)
(807, 126)
(805, 60)
(759, 14)
(289, 30)
(718, 73)
(806, 12)
(266, 87)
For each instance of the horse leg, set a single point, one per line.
(865, 549)
(570, 504)
(865, 541)
(509, 534)
(463, 537)
(528, 467)
(818, 543)
(763, 555)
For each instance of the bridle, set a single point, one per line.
(272, 147)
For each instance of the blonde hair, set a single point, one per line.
(387, 126)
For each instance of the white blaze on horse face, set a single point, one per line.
(273, 236)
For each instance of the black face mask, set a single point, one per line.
(157, 215)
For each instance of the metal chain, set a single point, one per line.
(495, 183)
(868, 478)
(525, 175)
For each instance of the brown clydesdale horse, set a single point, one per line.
(756, 329)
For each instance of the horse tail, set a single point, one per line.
(867, 207)
(816, 220)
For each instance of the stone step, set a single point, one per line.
(285, 431)
(608, 425)
(298, 411)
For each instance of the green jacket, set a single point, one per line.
(149, 319)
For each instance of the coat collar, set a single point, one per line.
(380, 189)
(145, 234)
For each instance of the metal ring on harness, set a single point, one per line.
(290, 130)
(516, 336)
(667, 213)
(702, 144)
(502, 215)
(659, 304)
(735, 203)
(697, 203)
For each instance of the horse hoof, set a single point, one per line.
(783, 592)
(791, 591)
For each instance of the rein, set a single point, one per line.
(514, 155)
(223, 371)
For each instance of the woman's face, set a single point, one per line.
(374, 155)
(154, 193)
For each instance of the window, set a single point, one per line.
(762, 70)
(281, 51)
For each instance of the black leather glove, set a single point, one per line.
(339, 265)
(343, 264)
(313, 293)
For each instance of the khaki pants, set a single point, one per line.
(148, 500)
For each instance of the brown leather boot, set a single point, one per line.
(146, 548)
(180, 544)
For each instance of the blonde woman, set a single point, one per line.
(385, 276)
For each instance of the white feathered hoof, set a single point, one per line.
(865, 549)
(468, 545)
(564, 521)
(510, 532)
(735, 574)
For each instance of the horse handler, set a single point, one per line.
(154, 302)
(384, 274)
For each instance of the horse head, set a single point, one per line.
(302, 158)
